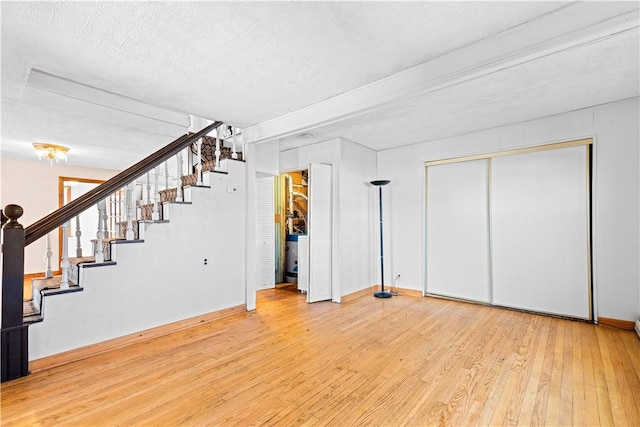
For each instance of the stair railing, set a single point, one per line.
(14, 359)
(84, 202)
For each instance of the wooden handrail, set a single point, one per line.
(66, 213)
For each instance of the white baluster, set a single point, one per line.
(124, 203)
(139, 201)
(148, 202)
(78, 238)
(148, 189)
(47, 256)
(234, 154)
(155, 215)
(105, 217)
(122, 214)
(179, 194)
(64, 265)
(166, 174)
(105, 220)
(130, 212)
(189, 159)
(217, 153)
(199, 163)
(102, 208)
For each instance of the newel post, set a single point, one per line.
(15, 338)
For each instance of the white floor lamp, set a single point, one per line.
(381, 293)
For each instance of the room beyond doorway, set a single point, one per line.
(291, 213)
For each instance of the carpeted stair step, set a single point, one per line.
(30, 314)
(32, 310)
(146, 213)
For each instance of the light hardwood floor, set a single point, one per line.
(401, 361)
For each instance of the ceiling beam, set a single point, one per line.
(58, 93)
(572, 26)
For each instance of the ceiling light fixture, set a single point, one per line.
(51, 152)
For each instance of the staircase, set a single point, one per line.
(41, 287)
(188, 264)
(32, 310)
(178, 257)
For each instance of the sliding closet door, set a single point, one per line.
(457, 230)
(539, 229)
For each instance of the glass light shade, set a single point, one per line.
(51, 151)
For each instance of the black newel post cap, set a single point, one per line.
(13, 212)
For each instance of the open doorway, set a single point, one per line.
(303, 205)
(291, 197)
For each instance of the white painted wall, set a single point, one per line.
(161, 280)
(266, 158)
(616, 193)
(34, 186)
(358, 218)
(353, 166)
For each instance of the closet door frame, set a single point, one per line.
(588, 143)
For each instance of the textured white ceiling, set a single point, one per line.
(251, 62)
(592, 74)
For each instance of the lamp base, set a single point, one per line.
(382, 294)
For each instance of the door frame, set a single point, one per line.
(335, 261)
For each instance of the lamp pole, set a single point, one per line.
(381, 293)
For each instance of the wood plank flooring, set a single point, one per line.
(399, 361)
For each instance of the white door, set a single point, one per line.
(512, 230)
(540, 229)
(265, 247)
(458, 230)
(319, 233)
(303, 263)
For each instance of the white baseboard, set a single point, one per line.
(637, 328)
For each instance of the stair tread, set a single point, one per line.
(51, 283)
(30, 313)
(78, 260)
(29, 309)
